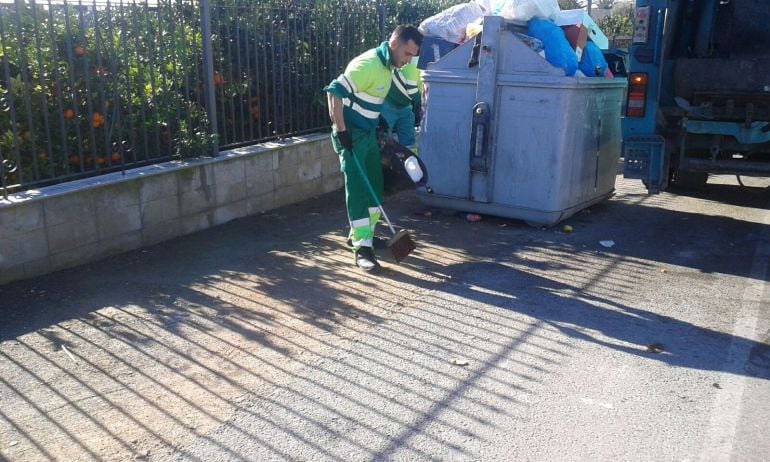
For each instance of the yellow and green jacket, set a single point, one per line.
(363, 87)
(406, 88)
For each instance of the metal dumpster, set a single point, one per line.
(512, 136)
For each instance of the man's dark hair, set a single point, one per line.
(406, 32)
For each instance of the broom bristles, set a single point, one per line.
(401, 245)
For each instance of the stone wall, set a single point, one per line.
(82, 221)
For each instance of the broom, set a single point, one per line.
(401, 244)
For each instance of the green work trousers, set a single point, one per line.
(363, 213)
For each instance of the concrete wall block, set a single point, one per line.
(70, 207)
(160, 210)
(332, 183)
(309, 169)
(297, 193)
(288, 176)
(197, 222)
(114, 222)
(12, 273)
(288, 156)
(75, 256)
(195, 201)
(21, 248)
(121, 243)
(260, 203)
(230, 212)
(157, 187)
(76, 234)
(117, 196)
(305, 152)
(36, 267)
(198, 178)
(227, 193)
(21, 218)
(330, 165)
(259, 174)
(231, 171)
(131, 241)
(159, 232)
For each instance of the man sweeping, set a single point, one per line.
(402, 104)
(355, 101)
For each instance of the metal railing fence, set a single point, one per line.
(90, 87)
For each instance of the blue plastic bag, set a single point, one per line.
(558, 51)
(593, 63)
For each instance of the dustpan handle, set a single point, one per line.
(371, 190)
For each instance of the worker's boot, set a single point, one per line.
(365, 259)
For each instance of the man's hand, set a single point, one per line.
(345, 140)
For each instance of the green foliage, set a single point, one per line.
(616, 25)
(571, 4)
(87, 89)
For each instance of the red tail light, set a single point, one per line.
(637, 95)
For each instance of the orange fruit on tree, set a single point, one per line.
(42, 156)
(218, 79)
(115, 157)
(98, 120)
(79, 51)
(74, 159)
(101, 160)
(69, 114)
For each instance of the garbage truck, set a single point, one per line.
(698, 96)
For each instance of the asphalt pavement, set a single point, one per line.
(642, 334)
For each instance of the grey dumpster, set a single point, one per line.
(512, 136)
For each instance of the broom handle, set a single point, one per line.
(371, 191)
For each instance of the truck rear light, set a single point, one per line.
(637, 95)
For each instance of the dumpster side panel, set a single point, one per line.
(527, 167)
(445, 136)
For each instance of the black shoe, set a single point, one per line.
(365, 259)
(379, 243)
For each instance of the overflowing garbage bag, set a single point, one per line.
(524, 10)
(558, 50)
(593, 63)
(401, 168)
(450, 24)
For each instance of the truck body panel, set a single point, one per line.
(699, 91)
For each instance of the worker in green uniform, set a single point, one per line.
(355, 100)
(403, 103)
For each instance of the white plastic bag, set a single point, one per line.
(524, 10)
(450, 24)
(485, 5)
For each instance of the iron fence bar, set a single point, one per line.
(219, 86)
(274, 120)
(114, 138)
(41, 81)
(73, 93)
(103, 102)
(3, 184)
(122, 148)
(230, 82)
(140, 61)
(208, 71)
(247, 55)
(59, 95)
(89, 103)
(185, 69)
(264, 113)
(150, 50)
(11, 102)
(297, 108)
(23, 70)
(161, 123)
(239, 96)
